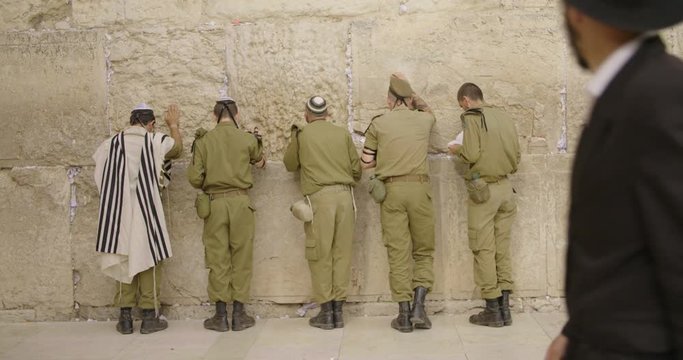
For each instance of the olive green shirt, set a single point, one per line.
(490, 144)
(325, 155)
(222, 159)
(401, 140)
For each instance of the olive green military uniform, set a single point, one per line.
(221, 168)
(140, 292)
(400, 139)
(491, 147)
(329, 166)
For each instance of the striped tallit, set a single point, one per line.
(114, 199)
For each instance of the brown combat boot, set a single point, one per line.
(240, 319)
(325, 318)
(418, 315)
(504, 303)
(491, 315)
(219, 321)
(402, 322)
(125, 324)
(151, 323)
(338, 314)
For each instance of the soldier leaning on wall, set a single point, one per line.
(132, 234)
(328, 162)
(491, 148)
(221, 169)
(396, 146)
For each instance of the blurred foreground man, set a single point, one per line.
(329, 167)
(221, 168)
(625, 259)
(132, 234)
(396, 146)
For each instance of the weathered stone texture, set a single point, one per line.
(259, 9)
(275, 67)
(184, 13)
(161, 66)
(515, 61)
(36, 257)
(53, 97)
(32, 14)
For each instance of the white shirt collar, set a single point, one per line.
(612, 65)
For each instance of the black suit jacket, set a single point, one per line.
(624, 279)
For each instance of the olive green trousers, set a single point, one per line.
(329, 238)
(229, 247)
(407, 217)
(488, 228)
(140, 292)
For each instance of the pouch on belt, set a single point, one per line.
(478, 190)
(203, 205)
(377, 189)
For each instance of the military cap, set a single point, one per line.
(400, 87)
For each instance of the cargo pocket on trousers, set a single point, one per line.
(311, 243)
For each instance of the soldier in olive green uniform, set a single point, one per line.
(396, 144)
(221, 168)
(491, 147)
(329, 166)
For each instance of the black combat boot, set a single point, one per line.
(338, 314)
(491, 315)
(402, 322)
(219, 321)
(325, 318)
(504, 302)
(151, 322)
(240, 319)
(419, 315)
(125, 324)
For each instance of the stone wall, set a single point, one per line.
(72, 70)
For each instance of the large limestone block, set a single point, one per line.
(514, 55)
(53, 102)
(458, 257)
(556, 220)
(32, 14)
(218, 10)
(406, 7)
(280, 269)
(91, 286)
(184, 13)
(275, 67)
(529, 266)
(161, 66)
(184, 274)
(36, 257)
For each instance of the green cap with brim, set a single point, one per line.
(400, 87)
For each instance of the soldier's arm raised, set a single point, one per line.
(470, 150)
(196, 172)
(291, 158)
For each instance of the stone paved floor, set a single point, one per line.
(451, 337)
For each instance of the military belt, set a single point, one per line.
(407, 178)
(494, 179)
(228, 193)
(333, 188)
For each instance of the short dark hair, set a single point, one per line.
(470, 90)
(142, 117)
(224, 109)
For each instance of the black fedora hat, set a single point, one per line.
(633, 15)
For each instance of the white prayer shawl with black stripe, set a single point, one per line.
(132, 232)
